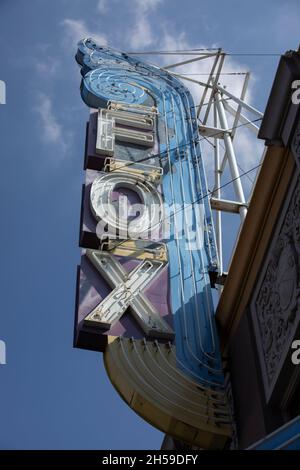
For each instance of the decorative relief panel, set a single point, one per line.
(296, 144)
(275, 303)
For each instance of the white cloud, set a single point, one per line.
(48, 68)
(142, 34)
(102, 6)
(42, 60)
(77, 29)
(249, 149)
(146, 5)
(52, 130)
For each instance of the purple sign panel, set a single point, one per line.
(122, 281)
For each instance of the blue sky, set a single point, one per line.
(51, 395)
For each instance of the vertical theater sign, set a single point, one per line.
(143, 289)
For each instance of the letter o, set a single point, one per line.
(102, 207)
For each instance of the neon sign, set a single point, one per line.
(143, 290)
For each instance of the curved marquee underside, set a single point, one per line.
(154, 312)
(147, 376)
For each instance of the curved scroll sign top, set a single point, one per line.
(167, 364)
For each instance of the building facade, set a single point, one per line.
(259, 312)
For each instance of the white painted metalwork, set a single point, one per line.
(150, 172)
(143, 121)
(138, 128)
(231, 157)
(133, 108)
(127, 292)
(242, 103)
(141, 249)
(105, 144)
(215, 132)
(226, 206)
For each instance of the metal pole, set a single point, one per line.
(237, 114)
(239, 108)
(208, 82)
(217, 194)
(240, 102)
(231, 156)
(214, 84)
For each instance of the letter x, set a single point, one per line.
(127, 291)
